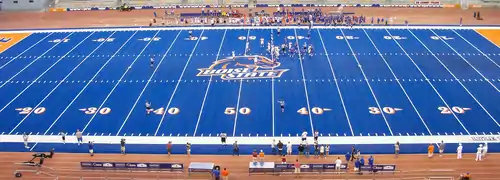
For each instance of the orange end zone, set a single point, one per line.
(9, 40)
(491, 34)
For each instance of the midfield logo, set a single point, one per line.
(243, 67)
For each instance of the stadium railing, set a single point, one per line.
(44, 172)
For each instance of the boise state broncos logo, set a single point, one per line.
(243, 67)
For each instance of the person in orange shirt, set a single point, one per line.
(261, 156)
(225, 174)
(430, 150)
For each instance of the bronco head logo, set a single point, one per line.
(243, 67)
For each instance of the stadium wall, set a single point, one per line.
(24, 5)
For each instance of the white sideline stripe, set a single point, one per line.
(488, 57)
(60, 82)
(427, 79)
(399, 83)
(20, 71)
(367, 82)
(33, 82)
(84, 88)
(247, 27)
(257, 141)
(1, 67)
(89, 82)
(272, 94)
(178, 82)
(120, 80)
(473, 97)
(304, 81)
(208, 87)
(149, 80)
(239, 89)
(487, 80)
(336, 83)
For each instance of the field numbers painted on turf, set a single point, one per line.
(232, 111)
(314, 110)
(441, 37)
(104, 40)
(28, 110)
(387, 110)
(245, 38)
(171, 111)
(194, 38)
(347, 37)
(59, 40)
(94, 110)
(456, 109)
(150, 39)
(394, 37)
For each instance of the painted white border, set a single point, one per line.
(257, 140)
(247, 27)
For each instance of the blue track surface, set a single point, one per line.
(359, 82)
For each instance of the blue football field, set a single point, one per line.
(370, 81)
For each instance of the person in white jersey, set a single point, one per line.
(459, 151)
(261, 42)
(479, 153)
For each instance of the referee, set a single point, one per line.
(223, 137)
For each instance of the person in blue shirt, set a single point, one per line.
(347, 156)
(216, 174)
(91, 148)
(362, 161)
(357, 165)
(370, 161)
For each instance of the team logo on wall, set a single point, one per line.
(243, 67)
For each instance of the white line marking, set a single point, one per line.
(246, 27)
(145, 86)
(208, 87)
(272, 91)
(1, 67)
(304, 81)
(487, 80)
(121, 78)
(35, 61)
(367, 82)
(33, 82)
(88, 83)
(336, 83)
(486, 38)
(465, 88)
(239, 90)
(399, 83)
(57, 86)
(427, 79)
(476, 48)
(178, 82)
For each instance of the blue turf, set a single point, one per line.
(174, 84)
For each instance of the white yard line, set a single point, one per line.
(47, 70)
(239, 91)
(486, 38)
(120, 80)
(247, 27)
(428, 81)
(449, 71)
(272, 92)
(486, 79)
(304, 81)
(27, 49)
(208, 87)
(40, 56)
(60, 82)
(145, 86)
(476, 48)
(367, 82)
(336, 83)
(178, 82)
(85, 87)
(399, 83)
